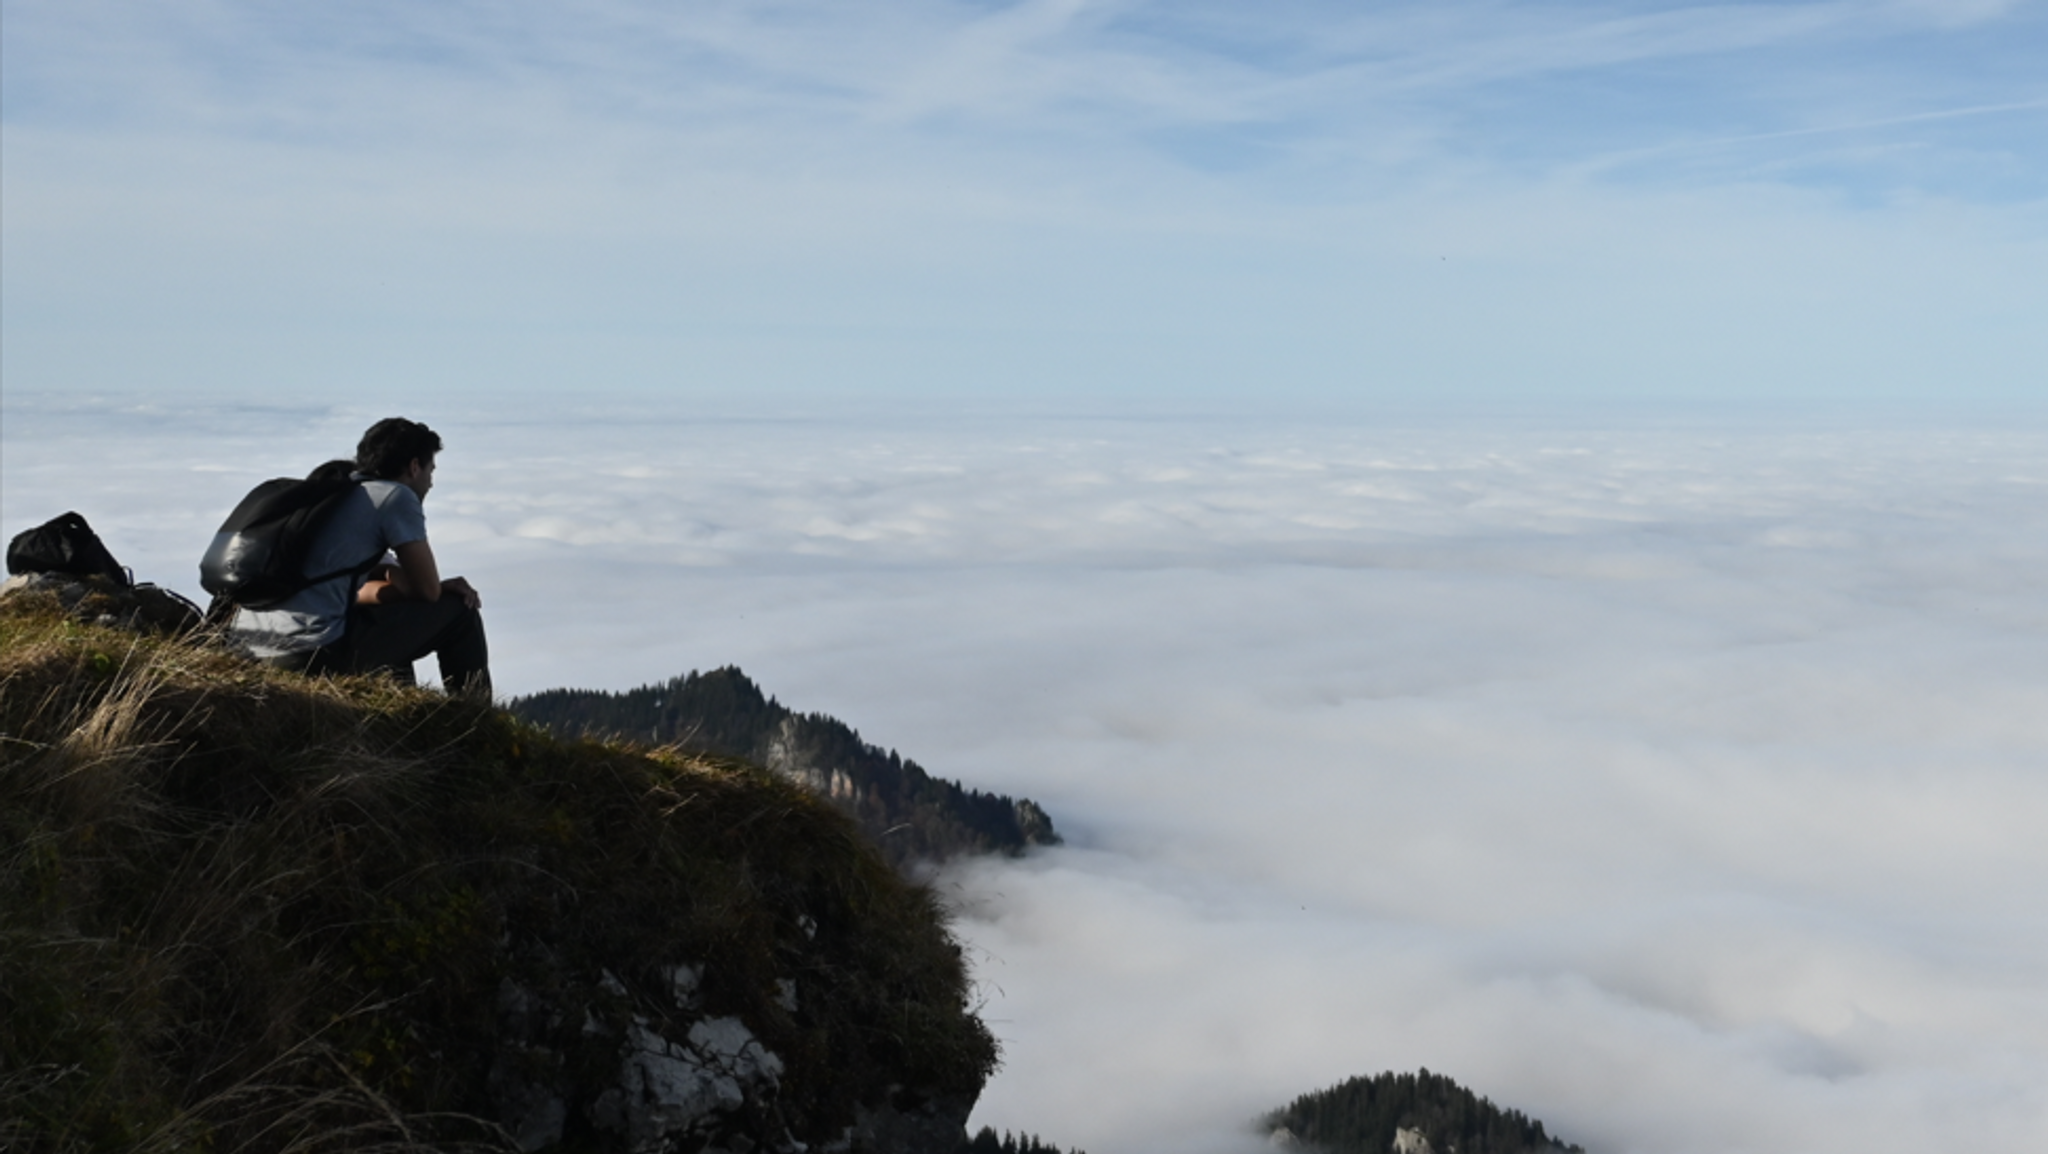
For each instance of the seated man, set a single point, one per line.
(394, 612)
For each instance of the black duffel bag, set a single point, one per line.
(64, 544)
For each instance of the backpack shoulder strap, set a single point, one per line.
(350, 571)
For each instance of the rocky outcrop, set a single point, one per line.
(688, 1081)
(714, 1086)
(671, 1092)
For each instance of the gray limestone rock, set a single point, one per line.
(670, 1090)
(912, 1123)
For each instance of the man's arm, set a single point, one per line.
(416, 577)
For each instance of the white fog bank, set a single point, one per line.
(1679, 782)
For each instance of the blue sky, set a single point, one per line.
(1189, 203)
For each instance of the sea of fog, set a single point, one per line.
(1681, 781)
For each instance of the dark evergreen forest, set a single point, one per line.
(911, 815)
(986, 1142)
(1360, 1117)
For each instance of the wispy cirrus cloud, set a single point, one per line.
(812, 71)
(962, 198)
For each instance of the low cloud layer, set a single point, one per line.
(1678, 782)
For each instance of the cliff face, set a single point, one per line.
(247, 911)
(911, 815)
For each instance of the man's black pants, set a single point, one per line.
(393, 635)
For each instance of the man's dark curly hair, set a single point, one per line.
(393, 443)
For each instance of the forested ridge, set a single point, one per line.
(910, 814)
(1364, 1115)
(986, 1142)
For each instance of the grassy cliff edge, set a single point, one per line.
(246, 911)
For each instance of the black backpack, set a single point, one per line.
(259, 556)
(66, 547)
(64, 544)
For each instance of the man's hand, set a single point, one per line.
(462, 588)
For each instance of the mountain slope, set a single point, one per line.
(910, 814)
(242, 910)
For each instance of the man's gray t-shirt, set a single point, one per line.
(378, 516)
